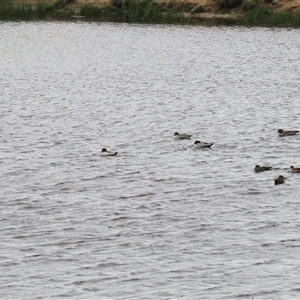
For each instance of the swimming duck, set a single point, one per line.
(181, 136)
(279, 180)
(104, 152)
(199, 144)
(258, 168)
(294, 170)
(286, 133)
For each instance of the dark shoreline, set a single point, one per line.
(145, 12)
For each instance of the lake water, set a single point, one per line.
(161, 220)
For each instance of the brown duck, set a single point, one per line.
(181, 136)
(287, 133)
(258, 168)
(294, 170)
(279, 180)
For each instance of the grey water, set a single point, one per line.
(161, 220)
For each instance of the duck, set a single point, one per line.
(258, 168)
(199, 144)
(287, 133)
(181, 136)
(104, 152)
(294, 170)
(279, 180)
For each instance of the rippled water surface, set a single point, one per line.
(160, 220)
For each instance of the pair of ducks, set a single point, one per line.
(280, 179)
(197, 144)
(258, 168)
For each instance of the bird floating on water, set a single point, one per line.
(181, 136)
(199, 144)
(294, 170)
(287, 133)
(258, 168)
(104, 152)
(279, 180)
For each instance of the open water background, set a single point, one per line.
(160, 220)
